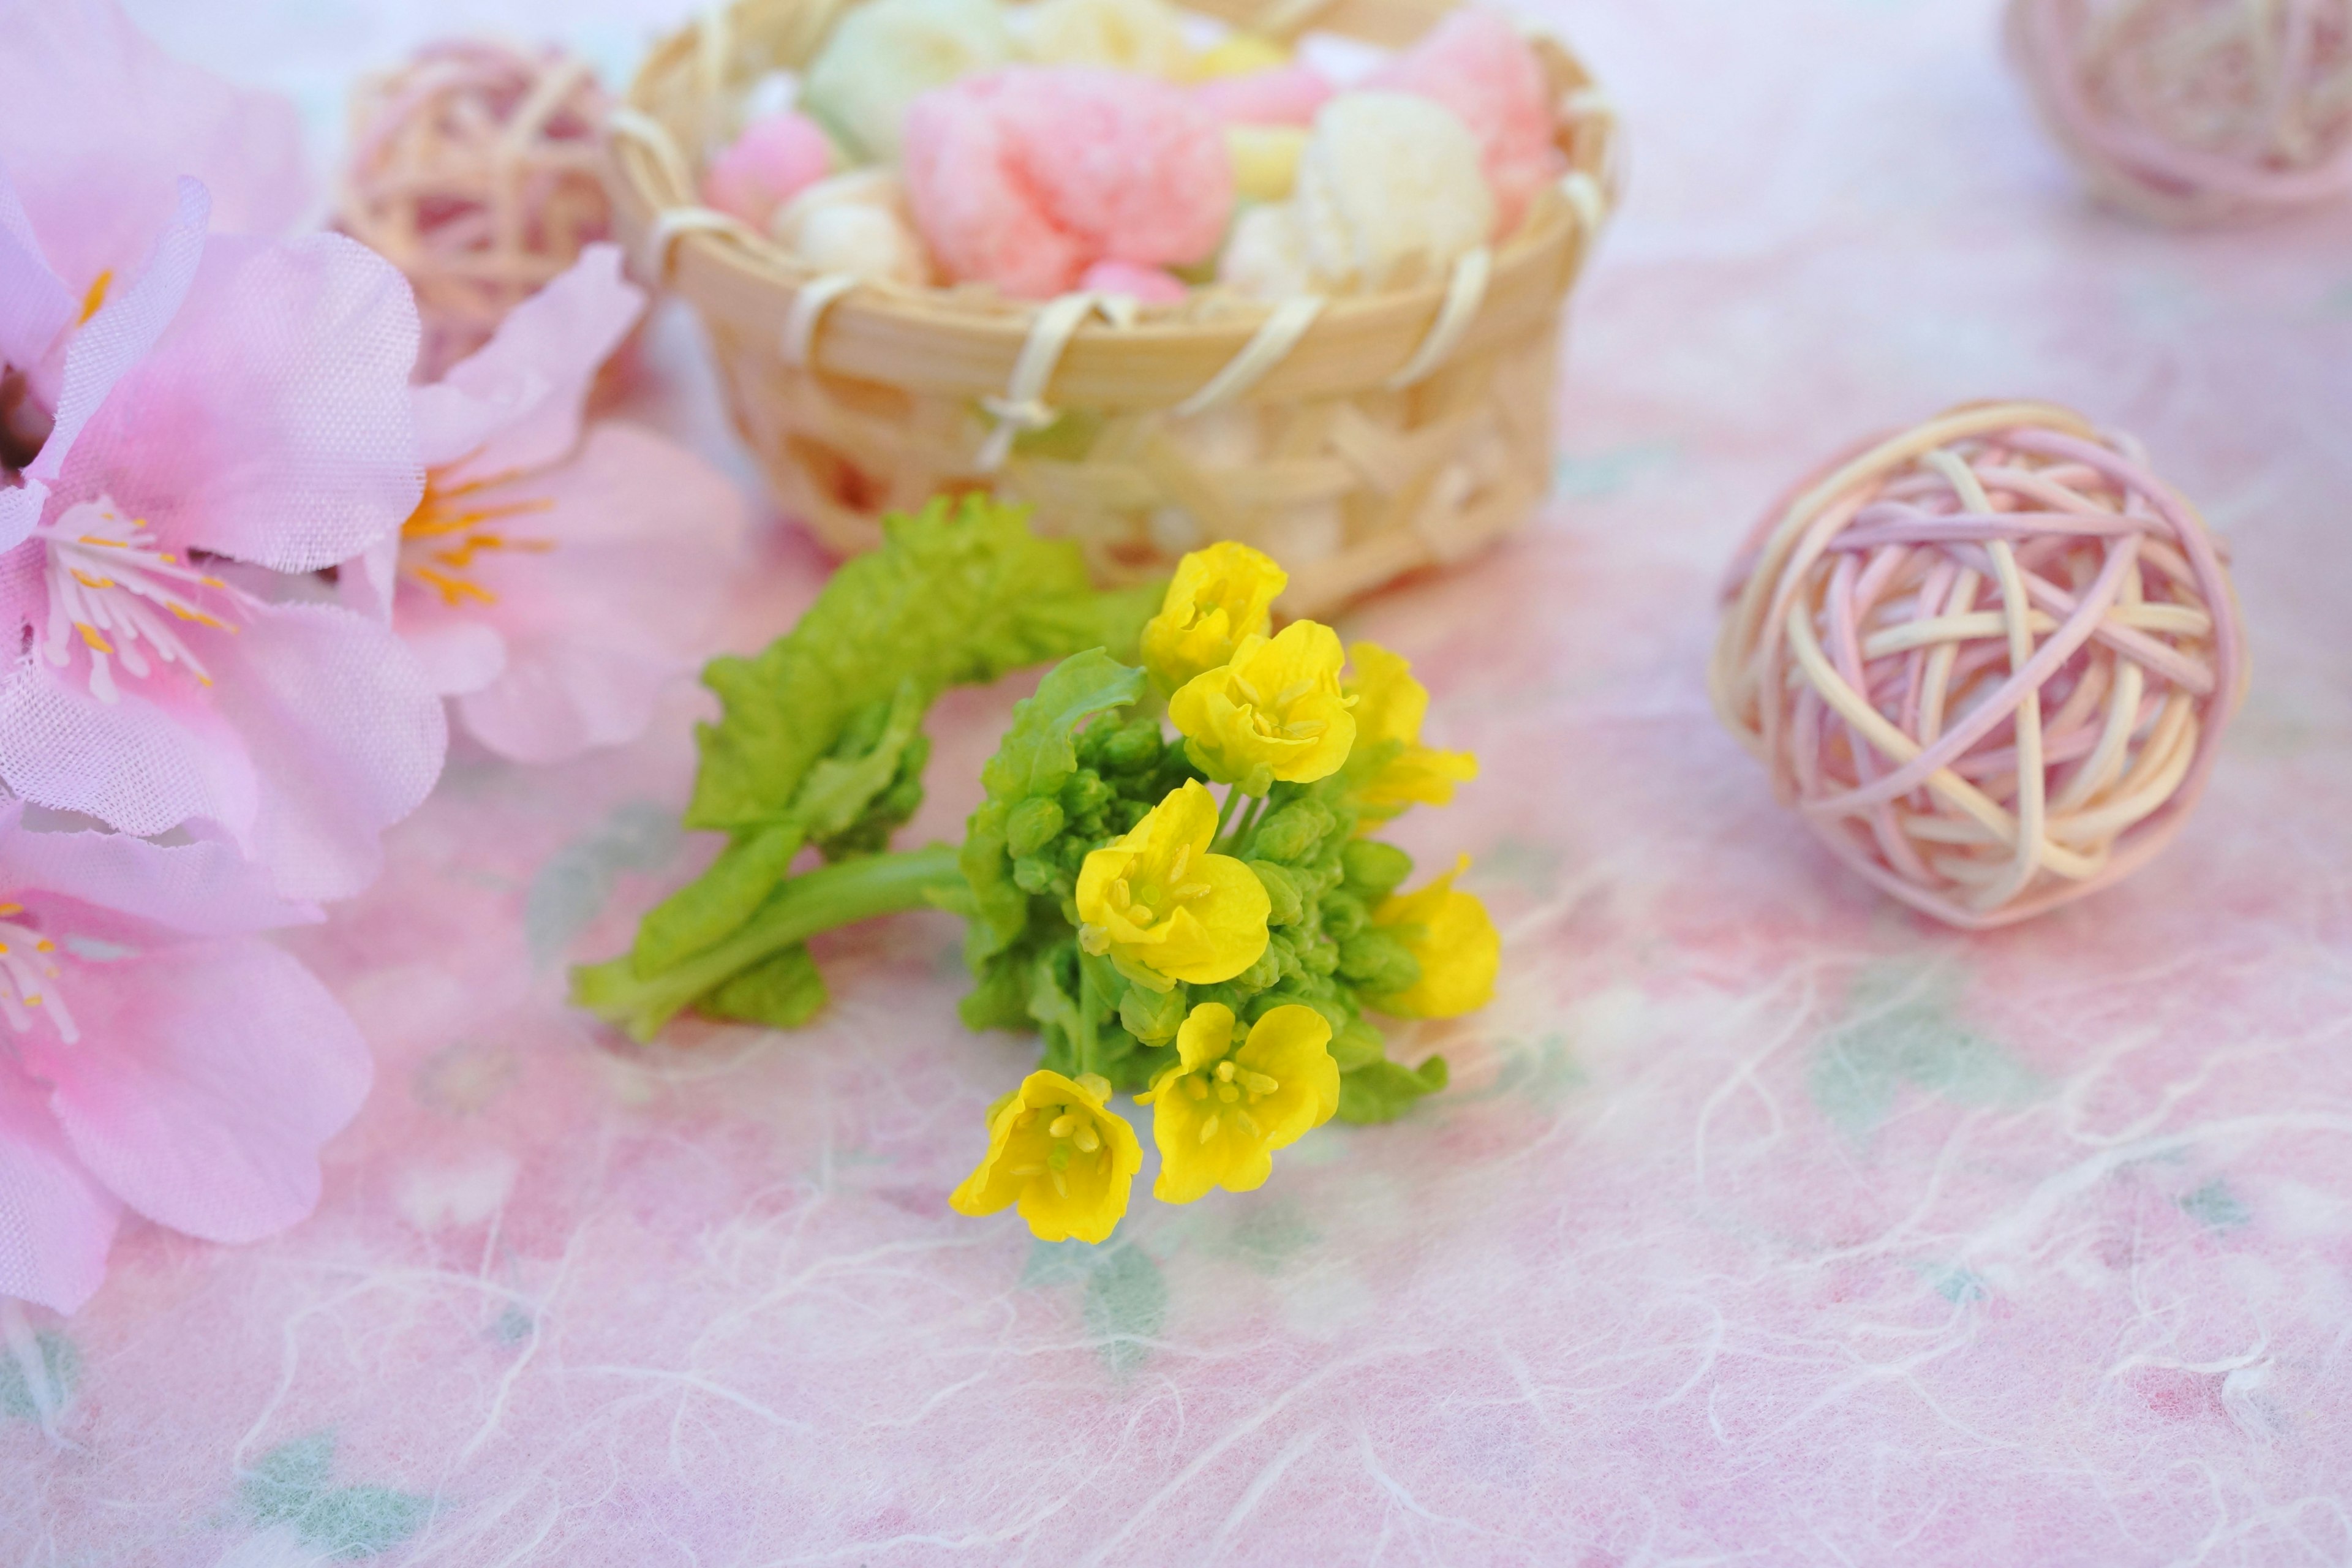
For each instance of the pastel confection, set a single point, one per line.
(856, 223)
(1266, 159)
(883, 56)
(1388, 195)
(1146, 285)
(777, 157)
(1477, 63)
(1026, 176)
(1144, 35)
(1282, 95)
(1236, 54)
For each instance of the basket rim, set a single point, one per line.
(965, 342)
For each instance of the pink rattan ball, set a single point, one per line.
(1989, 660)
(474, 168)
(2195, 110)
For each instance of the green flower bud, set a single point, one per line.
(1344, 915)
(1032, 825)
(1292, 833)
(1084, 792)
(1036, 874)
(1374, 870)
(1133, 748)
(1379, 962)
(1281, 891)
(1152, 1016)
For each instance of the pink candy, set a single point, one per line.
(1146, 285)
(775, 158)
(1026, 177)
(1474, 65)
(1284, 95)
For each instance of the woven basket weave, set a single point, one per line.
(1354, 439)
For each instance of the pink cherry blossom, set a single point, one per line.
(233, 418)
(155, 1054)
(552, 583)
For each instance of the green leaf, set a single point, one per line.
(953, 596)
(782, 992)
(1384, 1091)
(1037, 754)
(835, 794)
(715, 905)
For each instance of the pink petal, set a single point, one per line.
(515, 404)
(143, 765)
(55, 1222)
(202, 888)
(460, 658)
(272, 422)
(35, 306)
(645, 536)
(320, 732)
(205, 1080)
(96, 124)
(344, 734)
(104, 351)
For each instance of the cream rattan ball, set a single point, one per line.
(2195, 110)
(1989, 660)
(475, 167)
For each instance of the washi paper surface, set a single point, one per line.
(1764, 1221)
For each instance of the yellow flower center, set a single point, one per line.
(1237, 1090)
(1143, 901)
(442, 537)
(1068, 1136)
(28, 976)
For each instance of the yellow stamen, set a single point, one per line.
(96, 296)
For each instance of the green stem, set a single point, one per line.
(801, 907)
(1243, 828)
(1225, 812)
(1089, 1002)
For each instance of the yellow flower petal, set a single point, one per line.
(1457, 945)
(1064, 1187)
(1157, 901)
(1276, 711)
(1390, 707)
(1218, 597)
(1219, 1114)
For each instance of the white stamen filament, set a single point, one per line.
(122, 598)
(28, 980)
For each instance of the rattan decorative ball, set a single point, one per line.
(1989, 660)
(475, 167)
(2195, 110)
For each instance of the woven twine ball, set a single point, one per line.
(1989, 660)
(2195, 110)
(475, 168)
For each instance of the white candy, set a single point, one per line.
(856, 223)
(1388, 193)
(1124, 35)
(883, 56)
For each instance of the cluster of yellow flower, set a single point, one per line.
(1162, 906)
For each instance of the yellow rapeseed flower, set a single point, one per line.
(1457, 945)
(1219, 596)
(1055, 1148)
(1389, 706)
(1275, 712)
(1163, 907)
(1220, 1112)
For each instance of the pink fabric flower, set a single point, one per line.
(232, 417)
(552, 584)
(1475, 64)
(1026, 176)
(154, 1053)
(97, 126)
(776, 158)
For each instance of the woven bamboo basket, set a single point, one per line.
(1355, 439)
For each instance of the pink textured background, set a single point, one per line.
(1764, 1223)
